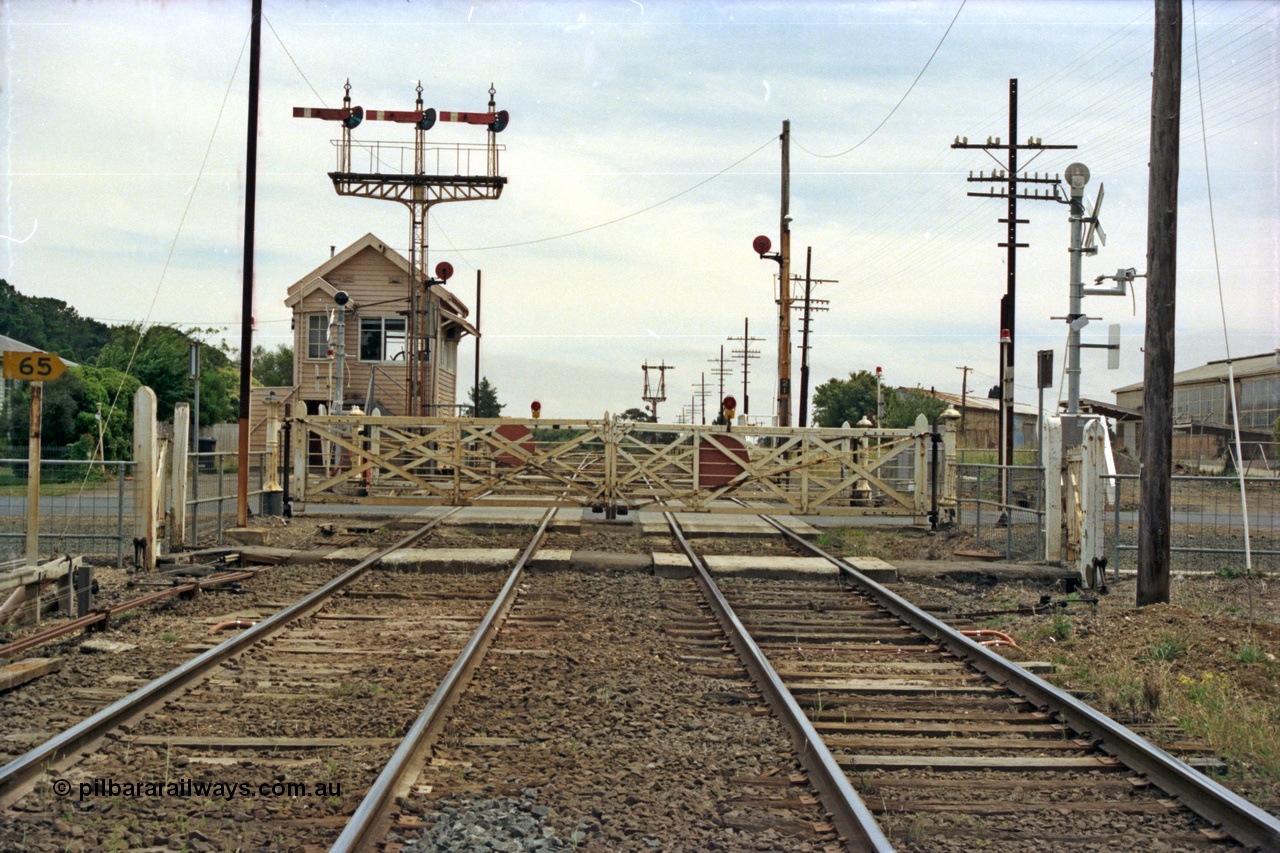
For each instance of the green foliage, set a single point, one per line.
(161, 361)
(70, 410)
(488, 405)
(901, 407)
(50, 325)
(1169, 648)
(272, 368)
(639, 416)
(838, 401)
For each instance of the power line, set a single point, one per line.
(900, 100)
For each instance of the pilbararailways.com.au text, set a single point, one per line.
(193, 788)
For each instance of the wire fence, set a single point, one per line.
(212, 483)
(1006, 522)
(1207, 529)
(85, 508)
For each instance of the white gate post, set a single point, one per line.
(178, 474)
(1052, 456)
(146, 485)
(920, 436)
(1092, 501)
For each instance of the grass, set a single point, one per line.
(1204, 705)
(1169, 648)
(1250, 654)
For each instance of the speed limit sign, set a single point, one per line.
(35, 366)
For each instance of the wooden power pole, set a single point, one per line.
(1155, 517)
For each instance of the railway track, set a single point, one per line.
(272, 736)
(917, 736)
(609, 714)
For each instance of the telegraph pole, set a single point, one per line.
(964, 395)
(655, 395)
(784, 285)
(1011, 179)
(701, 385)
(1154, 517)
(246, 302)
(810, 305)
(720, 371)
(746, 354)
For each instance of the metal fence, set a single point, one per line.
(1012, 524)
(85, 508)
(212, 480)
(1207, 531)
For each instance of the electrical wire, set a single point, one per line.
(191, 194)
(901, 100)
(1226, 341)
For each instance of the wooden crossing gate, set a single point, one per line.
(618, 466)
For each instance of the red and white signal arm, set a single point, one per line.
(761, 244)
(444, 270)
(349, 117)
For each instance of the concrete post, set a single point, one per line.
(146, 485)
(178, 475)
(1093, 502)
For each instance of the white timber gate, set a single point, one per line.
(620, 466)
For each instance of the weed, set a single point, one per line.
(1169, 648)
(1250, 654)
(1227, 572)
(169, 637)
(1061, 626)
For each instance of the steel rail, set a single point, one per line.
(25, 769)
(368, 825)
(854, 821)
(1243, 820)
(104, 615)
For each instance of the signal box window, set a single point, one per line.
(382, 338)
(317, 336)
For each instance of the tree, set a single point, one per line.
(639, 416)
(901, 407)
(50, 325)
(838, 401)
(71, 405)
(160, 359)
(272, 368)
(488, 405)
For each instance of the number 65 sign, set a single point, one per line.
(36, 366)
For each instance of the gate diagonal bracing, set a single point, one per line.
(615, 464)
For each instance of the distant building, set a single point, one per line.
(980, 417)
(1202, 420)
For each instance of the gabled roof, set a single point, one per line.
(1249, 365)
(377, 244)
(301, 291)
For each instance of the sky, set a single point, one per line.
(643, 157)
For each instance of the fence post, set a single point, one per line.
(145, 481)
(1053, 490)
(178, 475)
(920, 436)
(1115, 571)
(1093, 500)
(121, 468)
